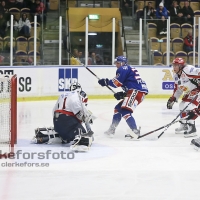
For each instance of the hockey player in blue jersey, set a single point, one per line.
(134, 91)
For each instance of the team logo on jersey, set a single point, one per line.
(192, 69)
(167, 80)
(66, 77)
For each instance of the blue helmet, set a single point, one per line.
(121, 59)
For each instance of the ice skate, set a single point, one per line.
(191, 132)
(196, 143)
(183, 127)
(111, 131)
(133, 134)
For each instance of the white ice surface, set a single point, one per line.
(114, 169)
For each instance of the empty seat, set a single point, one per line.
(157, 57)
(171, 57)
(190, 58)
(154, 43)
(181, 4)
(175, 30)
(53, 4)
(177, 44)
(184, 29)
(15, 12)
(72, 3)
(32, 29)
(197, 15)
(140, 4)
(151, 30)
(152, 2)
(163, 44)
(22, 43)
(181, 54)
(31, 57)
(7, 39)
(194, 4)
(21, 57)
(31, 44)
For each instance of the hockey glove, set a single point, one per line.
(119, 95)
(171, 102)
(193, 114)
(80, 116)
(103, 82)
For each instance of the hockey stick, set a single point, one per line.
(160, 128)
(168, 125)
(90, 71)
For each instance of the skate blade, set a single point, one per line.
(190, 135)
(129, 137)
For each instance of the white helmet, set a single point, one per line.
(75, 86)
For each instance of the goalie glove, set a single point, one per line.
(80, 116)
(193, 114)
(85, 118)
(171, 102)
(119, 95)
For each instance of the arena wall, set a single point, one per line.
(47, 82)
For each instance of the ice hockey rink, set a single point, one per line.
(167, 168)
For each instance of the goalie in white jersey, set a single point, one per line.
(68, 114)
(187, 81)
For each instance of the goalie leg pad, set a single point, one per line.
(47, 136)
(196, 143)
(82, 143)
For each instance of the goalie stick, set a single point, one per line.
(90, 71)
(172, 122)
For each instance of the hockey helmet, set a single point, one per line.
(179, 61)
(121, 59)
(75, 86)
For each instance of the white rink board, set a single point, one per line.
(43, 81)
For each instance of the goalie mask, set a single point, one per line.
(75, 87)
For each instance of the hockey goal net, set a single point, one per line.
(8, 114)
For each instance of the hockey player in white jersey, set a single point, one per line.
(193, 114)
(187, 79)
(68, 114)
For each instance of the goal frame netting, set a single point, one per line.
(12, 118)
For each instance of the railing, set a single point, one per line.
(163, 46)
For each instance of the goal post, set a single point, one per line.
(8, 114)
